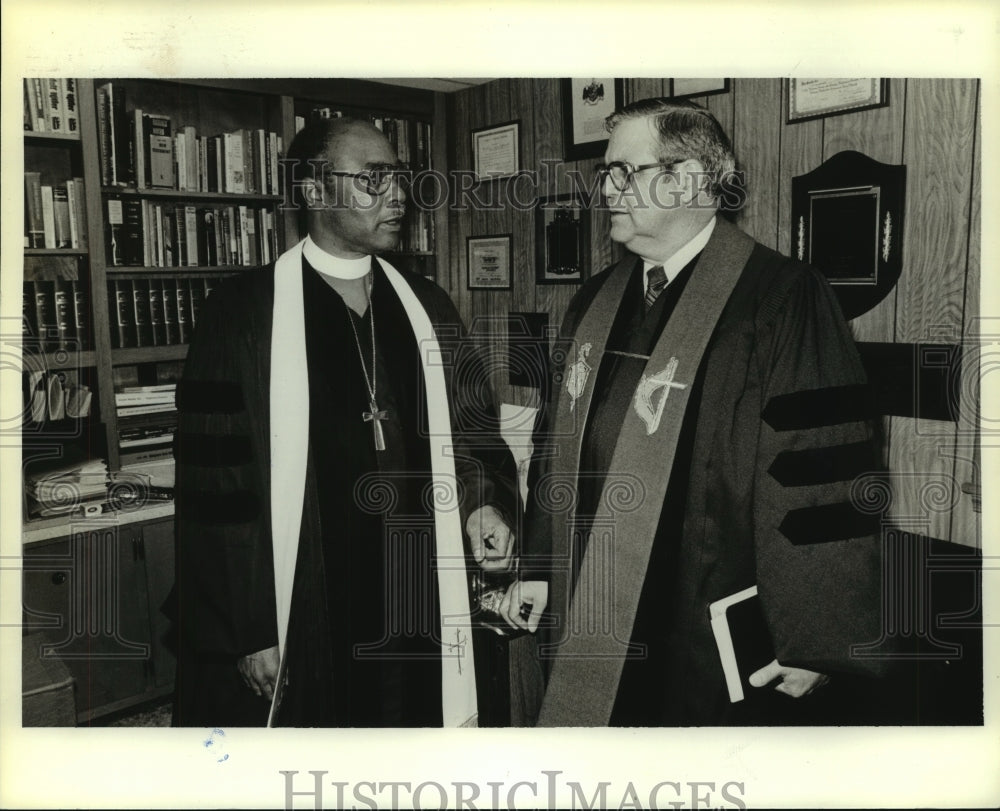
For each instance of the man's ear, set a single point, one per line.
(694, 181)
(313, 194)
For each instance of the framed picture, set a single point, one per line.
(496, 151)
(815, 98)
(586, 103)
(562, 239)
(684, 88)
(489, 262)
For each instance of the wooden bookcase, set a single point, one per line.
(129, 556)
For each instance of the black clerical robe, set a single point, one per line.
(759, 492)
(363, 643)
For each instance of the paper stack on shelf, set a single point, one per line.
(78, 487)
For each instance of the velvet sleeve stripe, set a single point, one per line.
(210, 450)
(218, 508)
(838, 463)
(210, 397)
(817, 408)
(826, 523)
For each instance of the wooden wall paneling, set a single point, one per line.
(721, 106)
(636, 89)
(757, 126)
(966, 521)
(938, 149)
(490, 307)
(878, 134)
(801, 152)
(523, 196)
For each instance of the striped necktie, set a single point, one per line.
(657, 281)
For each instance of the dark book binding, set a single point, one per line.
(742, 637)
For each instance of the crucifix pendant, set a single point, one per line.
(375, 417)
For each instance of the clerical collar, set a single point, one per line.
(675, 264)
(335, 266)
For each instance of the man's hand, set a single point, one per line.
(491, 540)
(533, 594)
(259, 671)
(795, 681)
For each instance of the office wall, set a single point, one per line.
(930, 125)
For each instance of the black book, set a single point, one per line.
(45, 313)
(183, 313)
(169, 296)
(157, 328)
(140, 313)
(81, 321)
(65, 313)
(742, 637)
(132, 235)
(121, 295)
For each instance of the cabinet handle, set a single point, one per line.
(58, 578)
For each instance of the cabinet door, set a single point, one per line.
(158, 550)
(89, 591)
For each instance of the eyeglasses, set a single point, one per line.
(621, 172)
(376, 181)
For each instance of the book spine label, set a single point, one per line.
(53, 106)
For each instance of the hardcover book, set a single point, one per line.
(742, 637)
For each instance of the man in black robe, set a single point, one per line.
(334, 439)
(704, 434)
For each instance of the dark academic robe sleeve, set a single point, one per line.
(225, 582)
(817, 549)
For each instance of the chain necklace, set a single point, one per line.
(373, 415)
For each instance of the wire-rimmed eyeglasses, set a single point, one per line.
(621, 172)
(378, 179)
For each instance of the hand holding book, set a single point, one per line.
(794, 681)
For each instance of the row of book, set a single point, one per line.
(149, 151)
(143, 233)
(155, 312)
(51, 396)
(411, 139)
(50, 106)
(147, 421)
(54, 216)
(55, 314)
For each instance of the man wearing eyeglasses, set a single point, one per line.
(334, 441)
(709, 423)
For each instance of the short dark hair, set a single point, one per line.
(313, 142)
(687, 130)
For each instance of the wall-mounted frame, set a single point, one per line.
(496, 151)
(562, 239)
(686, 88)
(807, 99)
(847, 222)
(489, 262)
(586, 103)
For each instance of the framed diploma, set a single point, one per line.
(496, 151)
(684, 88)
(814, 98)
(586, 103)
(489, 262)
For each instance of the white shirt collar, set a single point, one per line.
(675, 264)
(335, 266)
